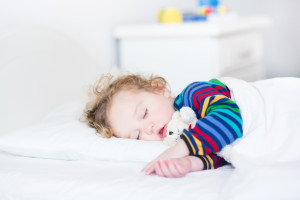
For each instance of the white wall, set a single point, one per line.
(282, 39)
(90, 24)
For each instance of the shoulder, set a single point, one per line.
(199, 86)
(185, 97)
(199, 89)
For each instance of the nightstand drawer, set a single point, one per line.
(239, 51)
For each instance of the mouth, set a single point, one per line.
(162, 132)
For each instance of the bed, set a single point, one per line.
(46, 152)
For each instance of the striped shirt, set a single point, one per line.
(219, 118)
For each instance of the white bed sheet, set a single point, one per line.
(43, 179)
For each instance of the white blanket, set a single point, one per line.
(267, 158)
(271, 116)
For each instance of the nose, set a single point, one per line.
(149, 128)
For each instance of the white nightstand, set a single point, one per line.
(188, 52)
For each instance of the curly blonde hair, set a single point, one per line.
(103, 91)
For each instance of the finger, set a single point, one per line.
(148, 167)
(147, 170)
(165, 169)
(173, 169)
(182, 170)
(150, 171)
(157, 168)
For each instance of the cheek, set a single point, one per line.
(163, 110)
(166, 112)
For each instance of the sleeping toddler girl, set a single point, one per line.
(136, 107)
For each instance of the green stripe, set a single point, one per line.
(214, 80)
(237, 110)
(231, 114)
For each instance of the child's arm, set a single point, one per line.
(220, 121)
(178, 153)
(179, 150)
(177, 167)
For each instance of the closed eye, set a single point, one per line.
(138, 137)
(146, 113)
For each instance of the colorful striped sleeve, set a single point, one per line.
(219, 118)
(212, 161)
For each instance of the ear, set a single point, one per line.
(160, 89)
(164, 91)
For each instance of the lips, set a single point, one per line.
(162, 132)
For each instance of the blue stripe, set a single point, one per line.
(210, 131)
(232, 124)
(214, 161)
(220, 127)
(205, 143)
(234, 130)
(191, 139)
(190, 92)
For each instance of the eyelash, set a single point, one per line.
(146, 113)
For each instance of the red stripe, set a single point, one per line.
(208, 94)
(227, 93)
(217, 161)
(216, 164)
(197, 98)
(207, 139)
(195, 102)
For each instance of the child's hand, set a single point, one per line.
(174, 167)
(177, 151)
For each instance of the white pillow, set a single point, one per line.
(61, 135)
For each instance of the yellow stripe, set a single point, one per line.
(206, 162)
(204, 106)
(191, 145)
(217, 98)
(199, 145)
(211, 162)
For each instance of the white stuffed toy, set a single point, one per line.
(183, 119)
(186, 118)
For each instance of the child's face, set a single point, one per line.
(140, 114)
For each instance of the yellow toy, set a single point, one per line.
(169, 15)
